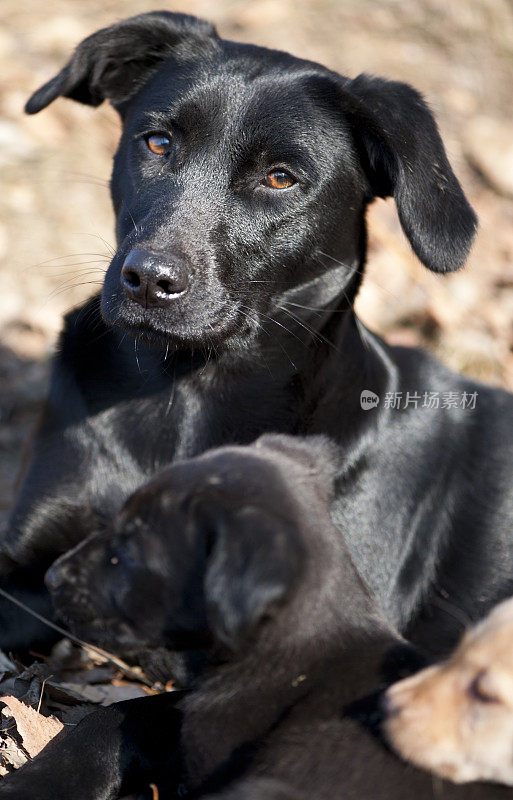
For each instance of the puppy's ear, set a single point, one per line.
(255, 563)
(114, 62)
(403, 156)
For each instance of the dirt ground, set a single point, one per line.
(55, 219)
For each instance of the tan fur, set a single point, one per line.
(456, 718)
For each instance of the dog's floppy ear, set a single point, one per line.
(253, 567)
(403, 156)
(114, 62)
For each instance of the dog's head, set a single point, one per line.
(199, 556)
(456, 718)
(242, 176)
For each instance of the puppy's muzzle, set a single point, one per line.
(152, 282)
(69, 592)
(390, 706)
(59, 576)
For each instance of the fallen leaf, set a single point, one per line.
(34, 730)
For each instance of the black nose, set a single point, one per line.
(152, 281)
(63, 572)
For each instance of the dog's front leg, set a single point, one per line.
(112, 752)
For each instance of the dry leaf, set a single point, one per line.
(28, 728)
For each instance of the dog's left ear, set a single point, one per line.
(254, 564)
(114, 62)
(403, 156)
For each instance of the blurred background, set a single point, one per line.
(56, 226)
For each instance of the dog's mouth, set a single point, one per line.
(214, 329)
(107, 631)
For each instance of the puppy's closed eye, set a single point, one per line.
(481, 688)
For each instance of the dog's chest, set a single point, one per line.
(187, 415)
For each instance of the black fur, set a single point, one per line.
(286, 706)
(265, 339)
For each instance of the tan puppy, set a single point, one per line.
(456, 718)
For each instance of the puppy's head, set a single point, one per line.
(242, 177)
(201, 556)
(457, 718)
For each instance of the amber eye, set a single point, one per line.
(158, 143)
(278, 179)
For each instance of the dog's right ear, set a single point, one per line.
(114, 62)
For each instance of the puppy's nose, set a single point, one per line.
(57, 575)
(151, 281)
(390, 705)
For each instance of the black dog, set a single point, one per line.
(234, 552)
(240, 187)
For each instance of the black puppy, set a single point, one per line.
(234, 552)
(240, 187)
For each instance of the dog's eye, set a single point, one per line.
(158, 143)
(278, 179)
(481, 689)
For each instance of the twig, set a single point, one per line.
(42, 692)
